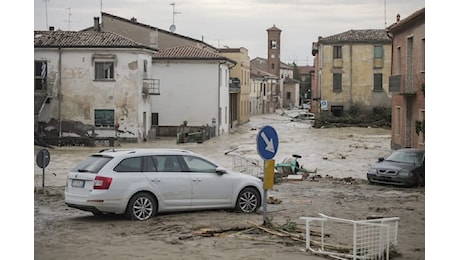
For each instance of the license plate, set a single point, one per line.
(78, 183)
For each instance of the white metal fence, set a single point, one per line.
(245, 165)
(370, 239)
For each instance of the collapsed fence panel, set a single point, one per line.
(350, 239)
(242, 164)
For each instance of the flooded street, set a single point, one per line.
(337, 152)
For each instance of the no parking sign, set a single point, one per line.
(43, 159)
(323, 104)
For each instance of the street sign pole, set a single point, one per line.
(269, 179)
(42, 160)
(265, 198)
(267, 146)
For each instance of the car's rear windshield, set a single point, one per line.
(92, 164)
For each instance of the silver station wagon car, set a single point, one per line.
(143, 182)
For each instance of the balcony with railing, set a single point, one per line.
(234, 85)
(398, 86)
(151, 87)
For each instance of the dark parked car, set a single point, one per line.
(404, 167)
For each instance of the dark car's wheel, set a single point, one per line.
(370, 181)
(141, 206)
(248, 200)
(421, 180)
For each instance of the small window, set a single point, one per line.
(273, 44)
(378, 85)
(423, 54)
(397, 121)
(104, 117)
(337, 52)
(104, 70)
(151, 164)
(398, 61)
(168, 163)
(152, 86)
(337, 82)
(288, 96)
(337, 111)
(195, 164)
(41, 71)
(378, 52)
(154, 119)
(130, 165)
(422, 134)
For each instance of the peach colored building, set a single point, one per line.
(407, 80)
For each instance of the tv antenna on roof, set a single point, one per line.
(46, 13)
(172, 28)
(69, 17)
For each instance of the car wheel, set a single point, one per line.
(141, 206)
(248, 200)
(370, 181)
(420, 180)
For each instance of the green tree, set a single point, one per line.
(296, 73)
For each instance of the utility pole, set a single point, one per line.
(172, 28)
(46, 13)
(385, 12)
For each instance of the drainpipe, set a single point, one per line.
(59, 92)
(218, 98)
(351, 73)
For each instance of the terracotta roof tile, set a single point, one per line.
(83, 39)
(368, 35)
(187, 52)
(417, 15)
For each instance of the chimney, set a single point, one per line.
(398, 18)
(134, 19)
(51, 28)
(96, 24)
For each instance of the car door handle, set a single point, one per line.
(197, 180)
(155, 180)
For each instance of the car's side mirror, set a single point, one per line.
(221, 170)
(381, 159)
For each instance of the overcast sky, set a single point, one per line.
(235, 23)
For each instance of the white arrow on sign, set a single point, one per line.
(269, 143)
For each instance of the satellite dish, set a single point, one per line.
(172, 28)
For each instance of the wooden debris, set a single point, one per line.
(211, 233)
(299, 236)
(273, 200)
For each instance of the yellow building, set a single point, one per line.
(239, 85)
(352, 69)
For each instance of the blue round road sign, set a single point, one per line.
(267, 142)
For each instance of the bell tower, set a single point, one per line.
(274, 47)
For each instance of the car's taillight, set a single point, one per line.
(102, 183)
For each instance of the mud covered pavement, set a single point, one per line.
(339, 156)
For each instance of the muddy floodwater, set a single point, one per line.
(61, 232)
(336, 152)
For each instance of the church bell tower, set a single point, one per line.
(274, 47)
